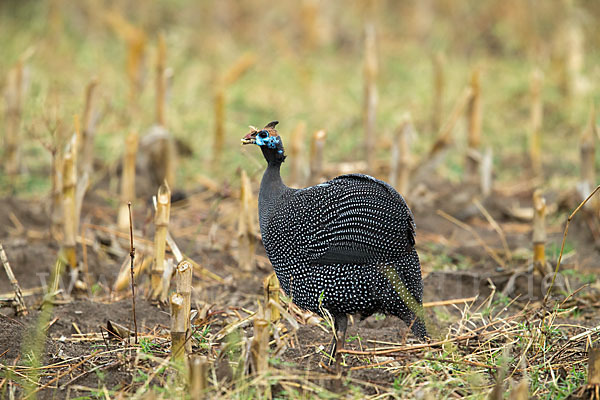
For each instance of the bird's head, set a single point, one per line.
(269, 142)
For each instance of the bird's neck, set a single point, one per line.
(271, 189)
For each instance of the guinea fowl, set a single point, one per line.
(345, 246)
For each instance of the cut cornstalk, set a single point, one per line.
(161, 223)
(136, 43)
(14, 93)
(317, 146)
(259, 346)
(401, 157)
(234, 73)
(575, 58)
(297, 175)
(86, 142)
(198, 377)
(219, 124)
(370, 95)
(309, 16)
(594, 366)
(271, 287)
(437, 108)
(20, 307)
(69, 177)
(473, 157)
(183, 286)
(246, 226)
(238, 69)
(486, 172)
(56, 227)
(128, 179)
(161, 85)
(124, 278)
(536, 120)
(445, 138)
(539, 233)
(588, 158)
(178, 325)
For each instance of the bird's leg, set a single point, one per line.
(340, 324)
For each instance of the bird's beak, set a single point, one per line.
(249, 138)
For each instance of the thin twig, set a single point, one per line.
(132, 255)
(564, 239)
(472, 231)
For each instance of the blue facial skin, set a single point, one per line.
(263, 139)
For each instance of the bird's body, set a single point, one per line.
(345, 246)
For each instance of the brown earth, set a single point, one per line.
(455, 265)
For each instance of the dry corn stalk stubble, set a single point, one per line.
(69, 178)
(161, 223)
(297, 172)
(437, 109)
(128, 179)
(317, 147)
(14, 94)
(198, 376)
(370, 96)
(178, 325)
(234, 73)
(402, 161)
(183, 286)
(588, 160)
(536, 120)
(473, 157)
(246, 226)
(271, 287)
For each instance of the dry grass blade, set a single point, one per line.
(495, 226)
(472, 231)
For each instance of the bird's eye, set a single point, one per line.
(263, 134)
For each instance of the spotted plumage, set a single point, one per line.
(345, 246)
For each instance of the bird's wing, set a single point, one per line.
(353, 219)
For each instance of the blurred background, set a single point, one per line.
(305, 64)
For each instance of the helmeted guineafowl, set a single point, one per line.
(345, 246)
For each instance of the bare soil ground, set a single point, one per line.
(457, 262)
